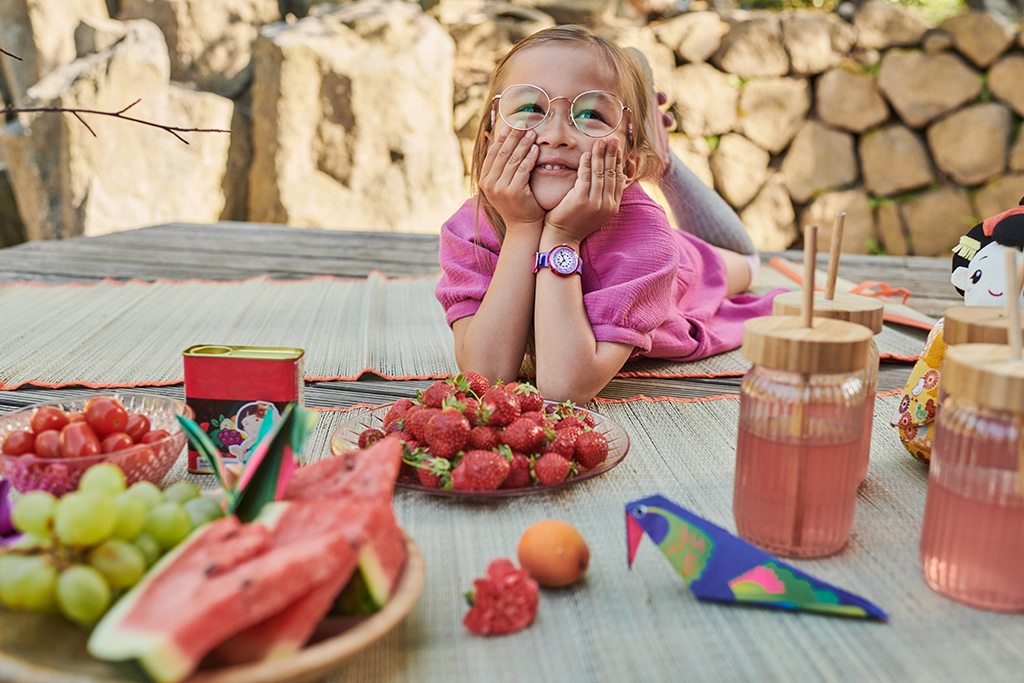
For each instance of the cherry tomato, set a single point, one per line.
(138, 424)
(78, 440)
(116, 441)
(77, 416)
(154, 436)
(18, 443)
(47, 418)
(105, 415)
(47, 444)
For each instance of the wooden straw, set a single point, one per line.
(810, 255)
(799, 422)
(1012, 307)
(833, 255)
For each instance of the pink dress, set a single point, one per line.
(644, 283)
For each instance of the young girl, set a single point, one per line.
(562, 252)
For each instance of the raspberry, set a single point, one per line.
(504, 601)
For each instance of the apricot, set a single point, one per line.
(554, 553)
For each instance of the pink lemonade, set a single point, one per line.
(769, 485)
(972, 549)
(865, 438)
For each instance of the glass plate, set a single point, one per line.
(346, 437)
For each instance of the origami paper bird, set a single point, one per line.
(718, 566)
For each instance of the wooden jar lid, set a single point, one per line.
(854, 308)
(985, 374)
(827, 347)
(976, 325)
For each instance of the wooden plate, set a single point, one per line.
(44, 649)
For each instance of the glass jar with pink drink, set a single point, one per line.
(801, 433)
(972, 543)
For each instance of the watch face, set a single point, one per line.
(564, 260)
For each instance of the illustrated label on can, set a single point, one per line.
(234, 389)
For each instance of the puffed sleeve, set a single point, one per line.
(468, 256)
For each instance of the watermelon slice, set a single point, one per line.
(368, 474)
(222, 579)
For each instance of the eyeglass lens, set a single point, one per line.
(596, 114)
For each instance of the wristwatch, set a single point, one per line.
(562, 260)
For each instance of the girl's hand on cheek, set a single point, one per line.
(505, 176)
(594, 199)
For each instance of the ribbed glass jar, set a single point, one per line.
(972, 544)
(870, 377)
(798, 459)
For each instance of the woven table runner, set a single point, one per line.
(644, 624)
(132, 334)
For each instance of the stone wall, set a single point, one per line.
(361, 116)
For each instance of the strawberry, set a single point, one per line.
(570, 422)
(478, 384)
(416, 420)
(397, 411)
(565, 442)
(471, 409)
(447, 432)
(529, 398)
(537, 416)
(519, 474)
(370, 436)
(434, 472)
(523, 435)
(591, 449)
(480, 471)
(588, 419)
(434, 395)
(499, 406)
(484, 438)
(551, 468)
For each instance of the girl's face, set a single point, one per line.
(562, 71)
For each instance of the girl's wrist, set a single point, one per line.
(552, 236)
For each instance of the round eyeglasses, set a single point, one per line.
(595, 113)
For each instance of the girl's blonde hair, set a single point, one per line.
(633, 86)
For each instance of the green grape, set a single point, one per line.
(30, 541)
(10, 570)
(169, 524)
(85, 518)
(131, 515)
(120, 562)
(31, 585)
(83, 595)
(202, 510)
(33, 513)
(181, 492)
(103, 478)
(148, 492)
(149, 548)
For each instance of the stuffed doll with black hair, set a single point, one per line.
(979, 275)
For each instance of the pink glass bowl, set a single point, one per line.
(142, 462)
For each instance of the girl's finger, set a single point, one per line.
(517, 150)
(492, 152)
(601, 168)
(584, 175)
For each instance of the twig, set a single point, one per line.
(173, 130)
(3, 51)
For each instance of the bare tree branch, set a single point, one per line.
(3, 51)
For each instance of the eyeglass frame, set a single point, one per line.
(547, 114)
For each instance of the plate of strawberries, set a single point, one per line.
(465, 437)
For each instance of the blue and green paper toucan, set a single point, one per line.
(718, 566)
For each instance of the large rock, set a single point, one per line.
(95, 35)
(849, 99)
(978, 36)
(694, 37)
(999, 194)
(816, 41)
(571, 11)
(659, 57)
(772, 109)
(695, 153)
(705, 99)
(1016, 162)
(1006, 81)
(936, 219)
(769, 219)
(68, 182)
(859, 224)
(882, 24)
(42, 34)
(740, 168)
(922, 87)
(753, 46)
(890, 229)
(12, 229)
(819, 159)
(352, 121)
(210, 43)
(894, 159)
(970, 145)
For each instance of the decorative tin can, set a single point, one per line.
(233, 389)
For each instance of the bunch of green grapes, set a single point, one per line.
(81, 552)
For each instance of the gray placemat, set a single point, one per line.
(644, 624)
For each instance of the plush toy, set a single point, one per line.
(979, 275)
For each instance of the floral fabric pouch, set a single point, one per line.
(915, 415)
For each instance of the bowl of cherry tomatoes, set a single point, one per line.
(49, 446)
